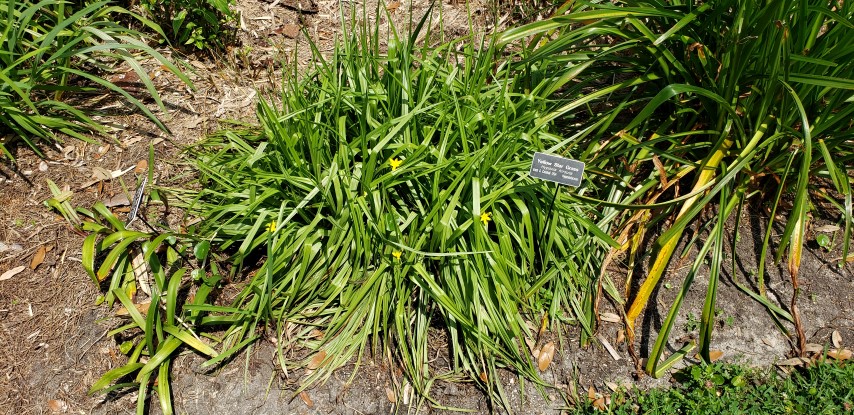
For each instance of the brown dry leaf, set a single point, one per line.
(591, 393)
(599, 404)
(608, 347)
(609, 317)
(141, 307)
(715, 355)
(120, 199)
(11, 273)
(289, 30)
(392, 6)
(840, 354)
(827, 228)
(317, 360)
(532, 345)
(141, 166)
(621, 336)
(836, 339)
(57, 405)
(795, 361)
(483, 377)
(38, 258)
(390, 395)
(307, 399)
(813, 348)
(546, 355)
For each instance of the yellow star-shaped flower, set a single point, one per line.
(485, 217)
(271, 227)
(396, 255)
(395, 163)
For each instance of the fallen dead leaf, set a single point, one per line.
(317, 360)
(599, 403)
(392, 6)
(591, 393)
(100, 174)
(483, 377)
(608, 347)
(11, 273)
(407, 392)
(289, 30)
(532, 345)
(141, 307)
(307, 399)
(813, 348)
(141, 166)
(131, 140)
(57, 406)
(795, 361)
(38, 258)
(120, 199)
(612, 386)
(390, 395)
(836, 339)
(610, 317)
(827, 228)
(546, 355)
(715, 355)
(840, 354)
(621, 336)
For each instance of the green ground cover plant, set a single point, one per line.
(822, 388)
(52, 50)
(202, 24)
(704, 107)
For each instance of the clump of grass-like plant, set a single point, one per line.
(700, 104)
(389, 192)
(53, 50)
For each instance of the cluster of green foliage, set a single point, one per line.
(388, 195)
(389, 192)
(822, 388)
(696, 104)
(203, 24)
(51, 50)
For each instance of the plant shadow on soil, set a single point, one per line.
(53, 343)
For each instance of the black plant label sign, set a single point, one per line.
(557, 169)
